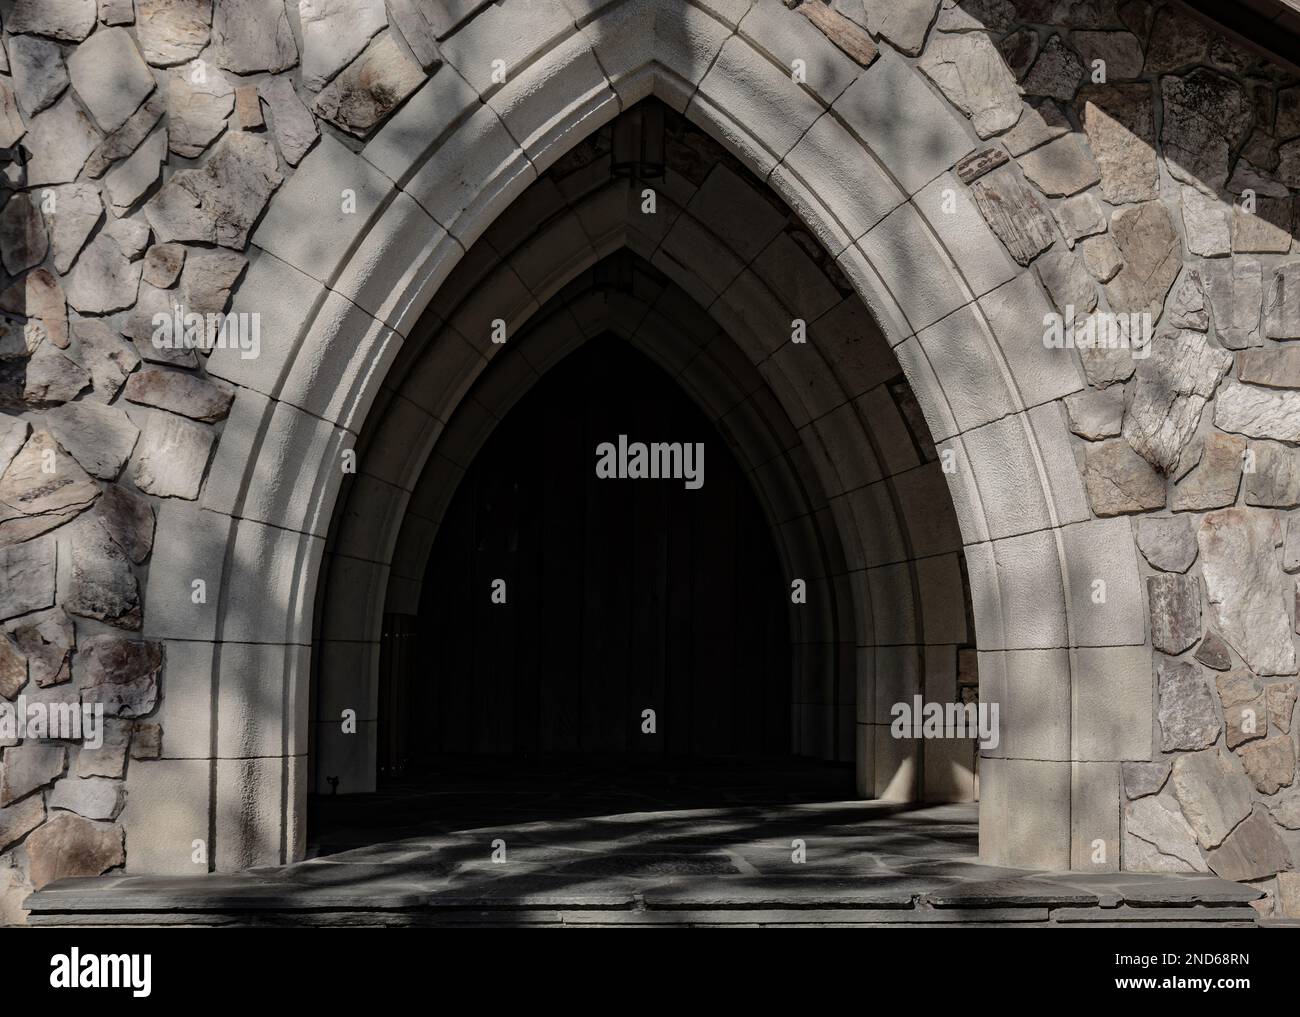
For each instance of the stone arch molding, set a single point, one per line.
(865, 156)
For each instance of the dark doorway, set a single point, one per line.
(621, 595)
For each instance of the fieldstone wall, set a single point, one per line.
(1134, 160)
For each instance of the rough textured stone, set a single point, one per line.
(52, 377)
(47, 639)
(1247, 590)
(1068, 283)
(1281, 704)
(1206, 116)
(1267, 229)
(1142, 779)
(1080, 216)
(12, 127)
(254, 35)
(59, 141)
(1014, 213)
(99, 437)
(39, 73)
(27, 489)
(13, 669)
(1253, 850)
(295, 128)
(1235, 288)
(66, 20)
(163, 264)
(28, 574)
(120, 673)
(1175, 612)
(1057, 72)
(1244, 708)
(1187, 716)
(27, 767)
(970, 71)
(904, 23)
(1188, 307)
(847, 36)
(199, 99)
(1152, 254)
(109, 760)
(1120, 54)
(220, 202)
(1173, 385)
(1276, 367)
(108, 359)
(110, 77)
(179, 392)
(23, 240)
(90, 797)
(1168, 544)
(1274, 480)
(1120, 481)
(1213, 481)
(334, 32)
(102, 583)
(248, 109)
(1270, 763)
(1258, 412)
(1119, 121)
(1102, 258)
(370, 88)
(1206, 224)
(171, 456)
(39, 298)
(69, 845)
(77, 210)
(146, 740)
(128, 520)
(1157, 838)
(1214, 794)
(1038, 125)
(1095, 413)
(20, 819)
(1019, 50)
(1282, 304)
(172, 31)
(1214, 652)
(1285, 810)
(1061, 168)
(127, 138)
(105, 280)
(130, 180)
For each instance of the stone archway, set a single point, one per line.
(961, 316)
(965, 209)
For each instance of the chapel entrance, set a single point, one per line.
(573, 625)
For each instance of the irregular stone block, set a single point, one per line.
(1281, 704)
(1247, 590)
(109, 760)
(1142, 779)
(1270, 763)
(1258, 412)
(1186, 712)
(1168, 544)
(39, 74)
(69, 845)
(128, 520)
(1119, 481)
(48, 641)
(90, 797)
(295, 128)
(1213, 792)
(20, 819)
(1276, 367)
(172, 31)
(1174, 383)
(1175, 612)
(1057, 72)
(1158, 839)
(254, 35)
(120, 673)
(65, 20)
(23, 240)
(29, 766)
(1272, 475)
(1282, 304)
(1061, 168)
(1253, 850)
(970, 71)
(1206, 116)
(171, 456)
(1213, 481)
(1014, 213)
(198, 103)
(110, 77)
(187, 394)
(1095, 414)
(1119, 121)
(1214, 652)
(370, 88)
(1206, 224)
(1153, 257)
(1244, 708)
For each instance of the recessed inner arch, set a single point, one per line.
(716, 279)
